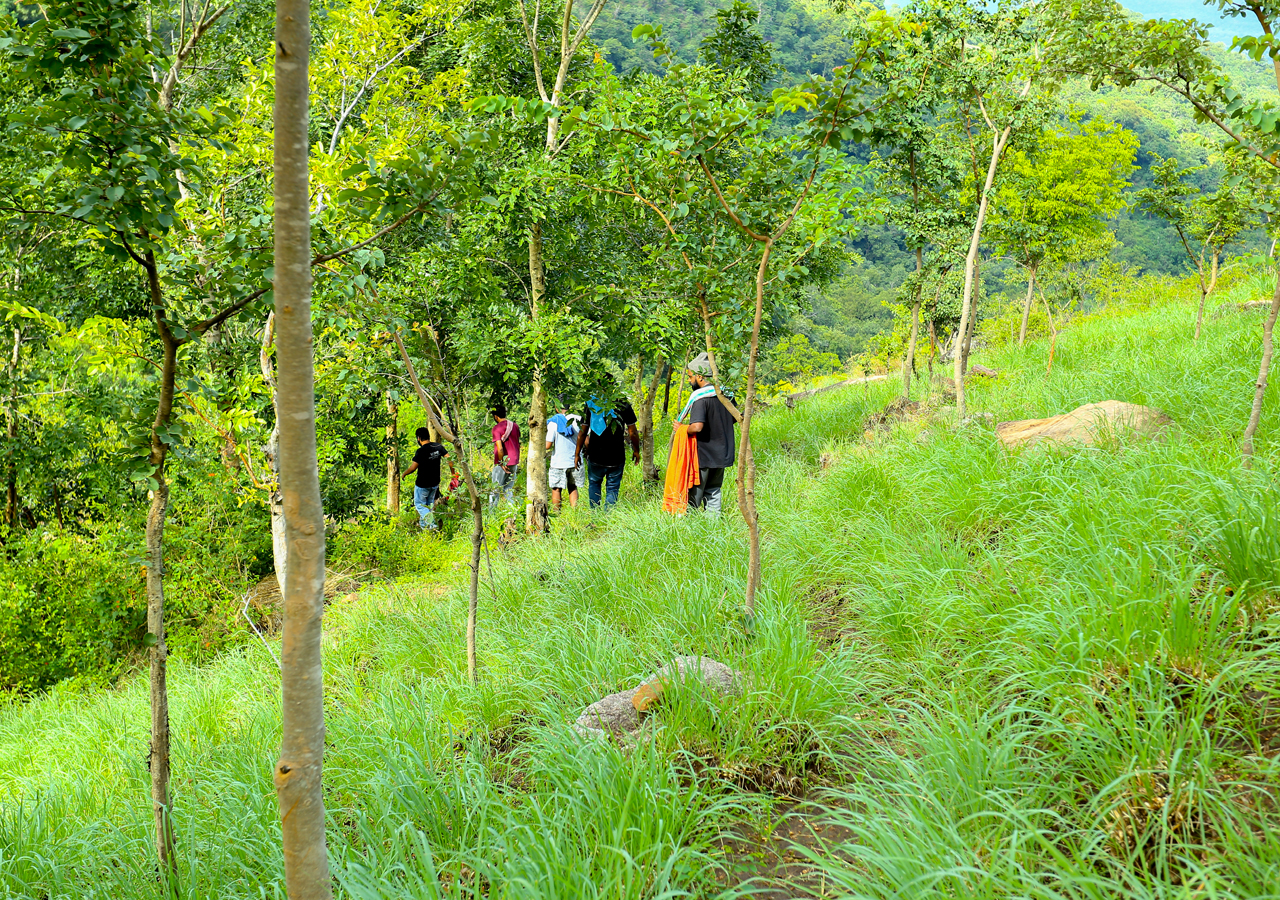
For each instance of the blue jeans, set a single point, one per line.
(423, 500)
(610, 476)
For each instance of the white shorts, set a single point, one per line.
(565, 479)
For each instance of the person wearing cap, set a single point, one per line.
(711, 424)
(562, 431)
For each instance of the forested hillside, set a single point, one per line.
(626, 449)
(809, 36)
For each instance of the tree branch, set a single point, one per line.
(171, 77)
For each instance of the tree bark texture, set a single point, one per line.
(299, 771)
(1264, 370)
(537, 491)
(393, 455)
(971, 268)
(1026, 304)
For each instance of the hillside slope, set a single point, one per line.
(1037, 674)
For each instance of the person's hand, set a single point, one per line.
(635, 457)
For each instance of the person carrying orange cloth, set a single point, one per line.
(711, 426)
(682, 471)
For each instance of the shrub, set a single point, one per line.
(69, 607)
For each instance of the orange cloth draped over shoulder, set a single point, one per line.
(682, 471)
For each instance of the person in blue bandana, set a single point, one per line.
(711, 424)
(601, 439)
(565, 476)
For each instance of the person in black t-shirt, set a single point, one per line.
(426, 490)
(600, 439)
(711, 423)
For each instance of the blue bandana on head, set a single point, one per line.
(599, 418)
(563, 425)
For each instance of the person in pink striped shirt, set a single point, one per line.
(506, 456)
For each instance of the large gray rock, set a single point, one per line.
(619, 714)
(613, 714)
(1087, 426)
(715, 675)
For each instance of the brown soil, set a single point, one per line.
(774, 865)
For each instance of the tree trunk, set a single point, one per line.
(537, 492)
(909, 361)
(477, 509)
(299, 771)
(275, 500)
(1264, 369)
(161, 803)
(648, 467)
(971, 268)
(966, 346)
(1026, 304)
(746, 458)
(666, 395)
(11, 432)
(393, 455)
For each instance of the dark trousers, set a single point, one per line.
(609, 476)
(706, 494)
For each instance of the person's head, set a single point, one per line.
(424, 435)
(700, 371)
(499, 412)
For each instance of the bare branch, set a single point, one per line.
(171, 77)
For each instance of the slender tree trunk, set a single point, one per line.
(537, 491)
(1204, 295)
(161, 802)
(666, 395)
(648, 400)
(275, 501)
(746, 457)
(11, 433)
(684, 370)
(1026, 304)
(909, 361)
(1264, 370)
(299, 771)
(966, 346)
(473, 493)
(393, 455)
(971, 268)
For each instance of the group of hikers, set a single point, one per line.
(591, 448)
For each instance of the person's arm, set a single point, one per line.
(584, 436)
(634, 437)
(413, 467)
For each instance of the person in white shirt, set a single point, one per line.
(562, 434)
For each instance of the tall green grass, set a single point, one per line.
(1038, 674)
